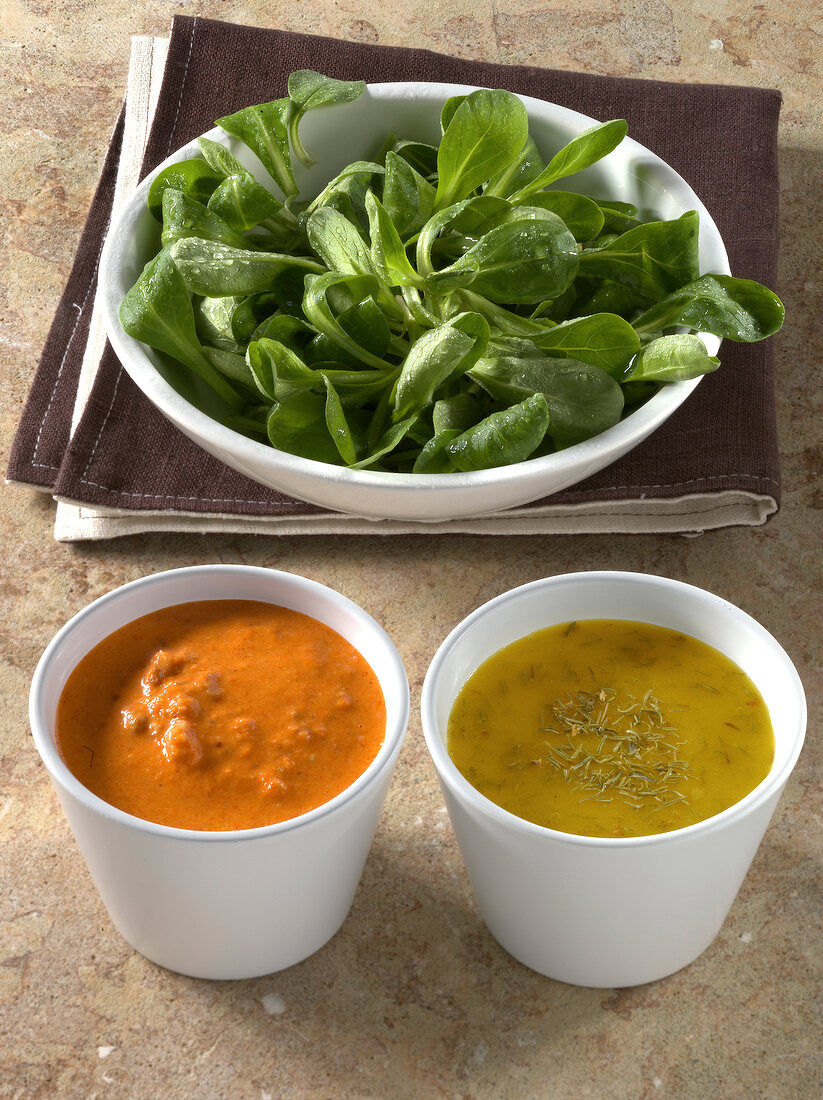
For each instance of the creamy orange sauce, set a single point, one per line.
(223, 714)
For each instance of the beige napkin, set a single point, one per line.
(694, 511)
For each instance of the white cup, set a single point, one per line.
(597, 911)
(224, 904)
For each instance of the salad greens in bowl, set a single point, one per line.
(422, 301)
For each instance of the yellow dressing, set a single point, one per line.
(611, 728)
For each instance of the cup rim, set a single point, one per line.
(452, 779)
(394, 684)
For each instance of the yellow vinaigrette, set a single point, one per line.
(610, 728)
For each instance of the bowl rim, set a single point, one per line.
(460, 788)
(626, 434)
(394, 681)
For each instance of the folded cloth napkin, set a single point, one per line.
(117, 467)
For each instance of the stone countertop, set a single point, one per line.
(413, 998)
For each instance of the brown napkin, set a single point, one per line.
(713, 463)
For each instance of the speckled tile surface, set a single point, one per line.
(413, 998)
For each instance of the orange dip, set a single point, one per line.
(223, 714)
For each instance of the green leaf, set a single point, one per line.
(366, 323)
(249, 313)
(317, 306)
(484, 135)
(434, 457)
(253, 426)
(737, 309)
(388, 254)
(158, 311)
(213, 322)
(452, 278)
(672, 359)
(242, 202)
(503, 438)
(231, 365)
(322, 352)
(420, 155)
(595, 298)
(193, 177)
(308, 90)
(477, 216)
(582, 151)
(529, 256)
(184, 216)
(652, 260)
(441, 222)
(338, 243)
(617, 216)
(289, 289)
(338, 426)
(581, 215)
(407, 196)
(278, 372)
(504, 320)
(216, 270)
(513, 347)
(636, 394)
(291, 331)
(603, 340)
(582, 400)
(460, 411)
(526, 167)
(220, 159)
(391, 437)
(447, 111)
(554, 310)
(440, 355)
(298, 426)
(353, 181)
(263, 129)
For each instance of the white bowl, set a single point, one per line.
(600, 911)
(240, 903)
(339, 135)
